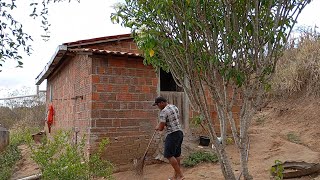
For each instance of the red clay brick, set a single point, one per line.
(99, 87)
(95, 79)
(103, 123)
(95, 96)
(117, 62)
(129, 122)
(124, 97)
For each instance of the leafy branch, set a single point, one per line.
(13, 38)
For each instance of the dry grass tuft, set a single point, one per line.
(299, 68)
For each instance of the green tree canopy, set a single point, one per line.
(226, 48)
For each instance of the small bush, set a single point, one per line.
(292, 137)
(98, 167)
(261, 120)
(61, 159)
(12, 154)
(277, 170)
(8, 159)
(198, 157)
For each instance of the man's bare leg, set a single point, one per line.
(175, 163)
(178, 160)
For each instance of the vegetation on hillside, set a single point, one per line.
(299, 68)
(24, 112)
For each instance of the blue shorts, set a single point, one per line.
(172, 145)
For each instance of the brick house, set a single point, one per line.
(100, 87)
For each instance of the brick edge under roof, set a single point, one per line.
(65, 47)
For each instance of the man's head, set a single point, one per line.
(160, 101)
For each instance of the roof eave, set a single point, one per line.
(98, 40)
(55, 59)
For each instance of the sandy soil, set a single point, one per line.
(296, 118)
(25, 166)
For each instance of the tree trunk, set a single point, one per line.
(224, 162)
(244, 162)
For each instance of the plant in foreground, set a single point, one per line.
(277, 170)
(60, 159)
(12, 154)
(8, 158)
(198, 157)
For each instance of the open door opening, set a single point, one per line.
(167, 82)
(173, 93)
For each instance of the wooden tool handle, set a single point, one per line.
(154, 133)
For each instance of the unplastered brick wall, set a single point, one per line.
(68, 90)
(213, 113)
(123, 90)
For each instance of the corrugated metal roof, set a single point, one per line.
(103, 51)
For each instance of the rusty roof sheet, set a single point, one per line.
(103, 51)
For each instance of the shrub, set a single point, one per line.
(60, 159)
(8, 159)
(99, 167)
(299, 67)
(277, 170)
(198, 157)
(12, 154)
(292, 137)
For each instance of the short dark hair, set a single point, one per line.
(159, 100)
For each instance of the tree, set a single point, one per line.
(215, 46)
(13, 37)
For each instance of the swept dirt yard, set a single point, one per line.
(286, 130)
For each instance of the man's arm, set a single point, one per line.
(160, 126)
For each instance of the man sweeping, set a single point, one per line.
(169, 120)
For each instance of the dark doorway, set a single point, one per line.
(167, 82)
(173, 93)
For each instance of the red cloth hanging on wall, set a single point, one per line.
(50, 117)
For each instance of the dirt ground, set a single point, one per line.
(286, 130)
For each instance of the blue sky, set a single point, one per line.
(72, 22)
